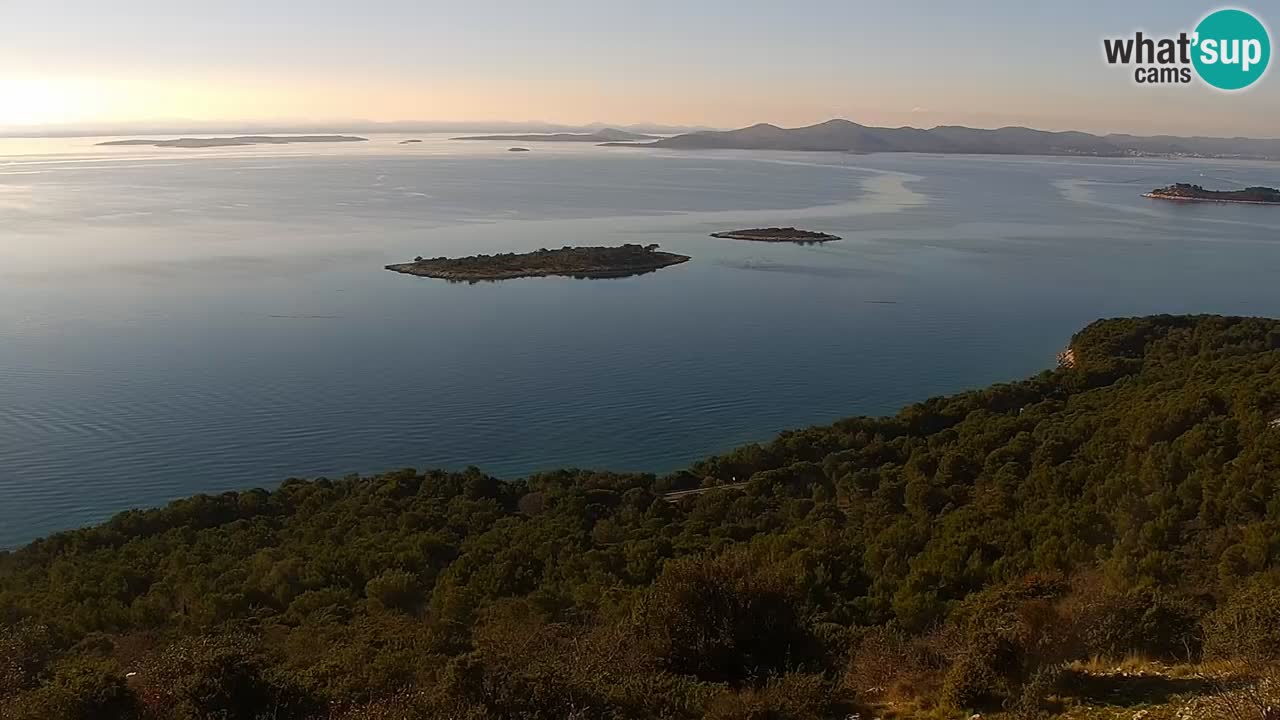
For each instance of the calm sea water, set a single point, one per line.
(178, 321)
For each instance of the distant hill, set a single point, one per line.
(848, 136)
(237, 141)
(598, 136)
(364, 127)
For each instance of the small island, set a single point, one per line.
(576, 262)
(1194, 193)
(777, 235)
(517, 149)
(238, 141)
(410, 142)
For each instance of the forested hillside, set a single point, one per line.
(955, 557)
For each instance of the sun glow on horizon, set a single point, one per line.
(31, 102)
(42, 101)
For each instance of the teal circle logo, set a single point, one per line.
(1232, 49)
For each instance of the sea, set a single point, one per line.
(181, 321)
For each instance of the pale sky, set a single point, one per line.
(724, 63)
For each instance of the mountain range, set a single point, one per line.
(848, 136)
(346, 126)
(603, 135)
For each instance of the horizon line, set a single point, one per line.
(171, 127)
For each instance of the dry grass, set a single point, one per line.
(901, 683)
(1244, 691)
(1136, 688)
(1131, 664)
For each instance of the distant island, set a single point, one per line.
(517, 149)
(1187, 192)
(409, 142)
(777, 235)
(847, 136)
(606, 135)
(238, 141)
(578, 262)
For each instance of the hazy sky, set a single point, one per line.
(706, 62)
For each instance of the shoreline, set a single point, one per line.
(1156, 196)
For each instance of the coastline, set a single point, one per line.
(1157, 196)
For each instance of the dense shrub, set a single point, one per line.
(885, 658)
(78, 689)
(1005, 637)
(726, 618)
(1154, 623)
(25, 651)
(394, 590)
(973, 681)
(1033, 700)
(220, 677)
(1247, 625)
